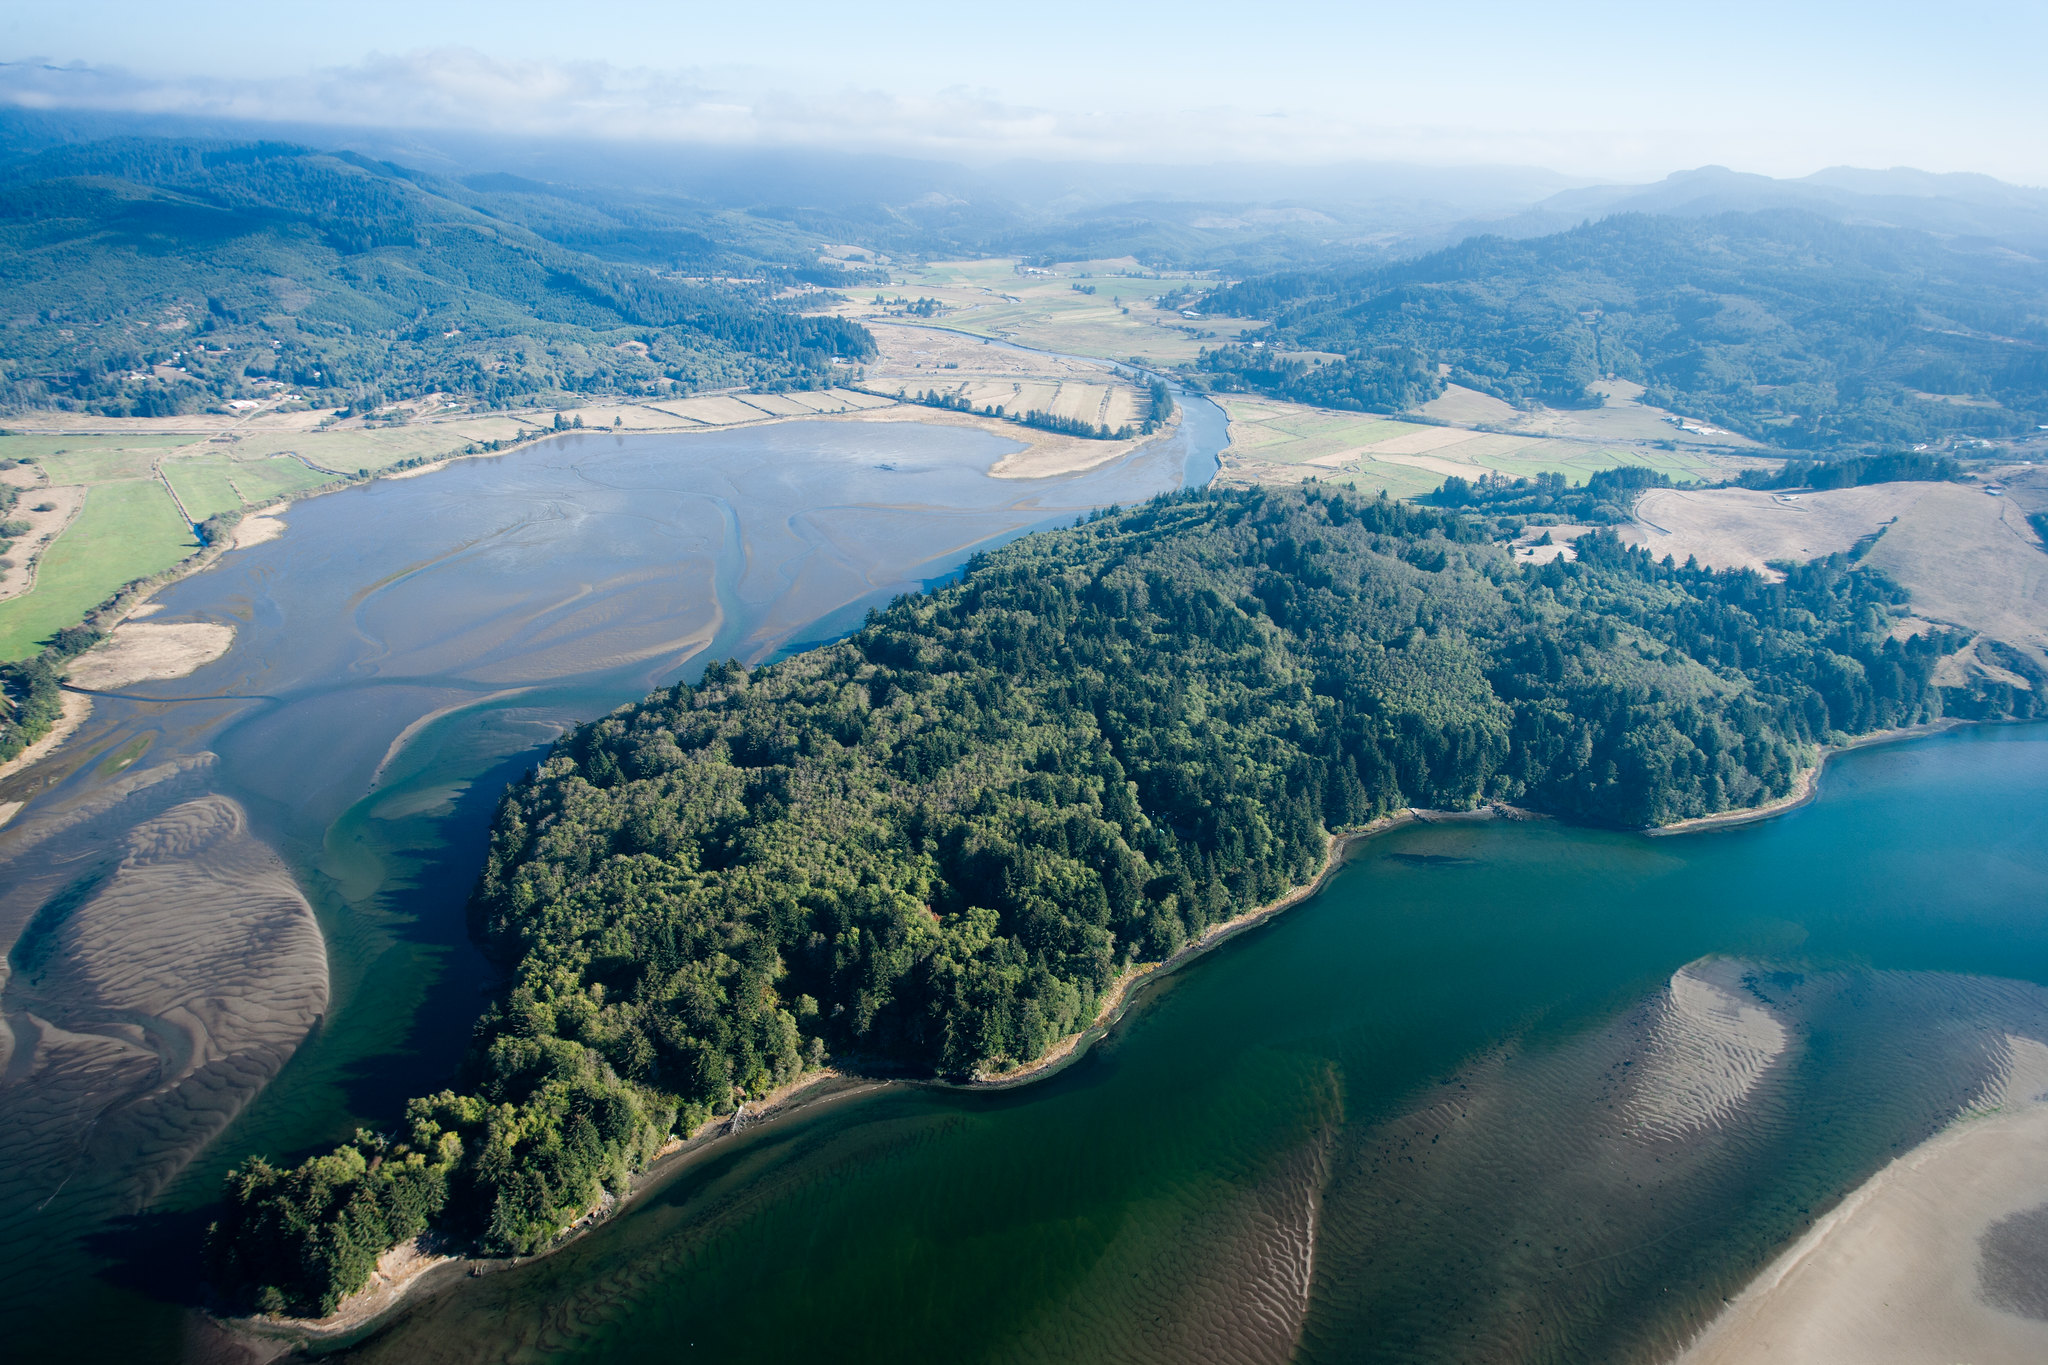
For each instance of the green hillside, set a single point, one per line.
(932, 848)
(151, 277)
(1786, 327)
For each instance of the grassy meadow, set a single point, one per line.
(1276, 442)
(990, 298)
(128, 529)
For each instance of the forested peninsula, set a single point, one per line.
(931, 848)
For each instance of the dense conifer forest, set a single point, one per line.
(1789, 328)
(931, 848)
(147, 277)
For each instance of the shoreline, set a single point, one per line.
(414, 1268)
(1907, 1266)
(406, 1269)
(1116, 1001)
(261, 523)
(1806, 785)
(417, 1266)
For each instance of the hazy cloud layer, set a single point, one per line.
(450, 88)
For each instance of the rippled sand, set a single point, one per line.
(169, 978)
(1537, 1206)
(1941, 1256)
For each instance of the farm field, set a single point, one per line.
(993, 298)
(1968, 559)
(1623, 417)
(128, 529)
(1277, 442)
(209, 484)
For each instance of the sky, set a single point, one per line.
(1600, 90)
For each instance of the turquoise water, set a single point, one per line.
(1446, 1110)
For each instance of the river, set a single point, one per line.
(234, 904)
(1502, 1091)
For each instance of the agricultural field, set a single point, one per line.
(1121, 320)
(128, 529)
(1969, 559)
(1623, 416)
(213, 483)
(1276, 442)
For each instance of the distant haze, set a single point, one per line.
(1591, 90)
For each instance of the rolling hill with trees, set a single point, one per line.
(149, 276)
(933, 847)
(1788, 327)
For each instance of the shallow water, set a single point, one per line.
(1504, 1091)
(403, 651)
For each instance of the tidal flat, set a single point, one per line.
(399, 653)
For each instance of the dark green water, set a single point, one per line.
(1454, 1108)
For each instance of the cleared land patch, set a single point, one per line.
(1277, 442)
(1733, 528)
(1968, 559)
(1129, 313)
(1623, 417)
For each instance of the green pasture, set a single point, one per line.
(127, 530)
(213, 483)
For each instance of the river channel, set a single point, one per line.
(1502, 1091)
(234, 903)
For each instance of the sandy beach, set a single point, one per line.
(1938, 1257)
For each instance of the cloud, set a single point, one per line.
(461, 88)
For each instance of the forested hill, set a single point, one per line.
(149, 277)
(933, 847)
(1784, 326)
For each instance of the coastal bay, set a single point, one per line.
(1471, 1101)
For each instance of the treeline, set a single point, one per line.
(1044, 421)
(1365, 379)
(933, 847)
(31, 691)
(1607, 498)
(1855, 471)
(145, 278)
(1783, 326)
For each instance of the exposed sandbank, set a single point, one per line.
(1935, 1258)
(147, 1013)
(258, 527)
(144, 651)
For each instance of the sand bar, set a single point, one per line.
(141, 651)
(1939, 1257)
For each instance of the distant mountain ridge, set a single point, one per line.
(1781, 324)
(1953, 204)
